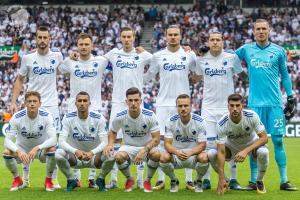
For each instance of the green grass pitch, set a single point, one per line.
(37, 174)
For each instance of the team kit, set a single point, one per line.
(172, 137)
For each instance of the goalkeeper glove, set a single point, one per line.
(290, 108)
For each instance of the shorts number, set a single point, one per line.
(278, 123)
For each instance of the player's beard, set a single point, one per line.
(42, 46)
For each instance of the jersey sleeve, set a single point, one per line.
(201, 132)
(168, 130)
(286, 80)
(116, 124)
(257, 124)
(147, 58)
(221, 136)
(12, 132)
(23, 71)
(153, 69)
(199, 62)
(102, 134)
(240, 52)
(237, 66)
(192, 65)
(51, 132)
(109, 55)
(154, 125)
(64, 66)
(63, 136)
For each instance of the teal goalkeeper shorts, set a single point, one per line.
(272, 118)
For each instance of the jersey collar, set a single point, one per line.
(262, 47)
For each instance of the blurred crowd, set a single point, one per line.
(104, 26)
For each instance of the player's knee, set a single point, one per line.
(121, 157)
(97, 161)
(262, 152)
(50, 150)
(202, 157)
(60, 154)
(165, 158)
(154, 155)
(277, 141)
(7, 152)
(212, 154)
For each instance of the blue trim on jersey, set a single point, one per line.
(247, 114)
(43, 113)
(174, 118)
(124, 112)
(147, 112)
(211, 138)
(197, 117)
(20, 113)
(71, 114)
(223, 121)
(94, 115)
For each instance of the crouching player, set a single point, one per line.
(240, 133)
(140, 136)
(185, 142)
(35, 136)
(81, 141)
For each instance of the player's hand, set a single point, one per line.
(240, 156)
(139, 49)
(23, 156)
(88, 155)
(79, 154)
(139, 158)
(187, 48)
(290, 108)
(13, 107)
(222, 186)
(108, 150)
(33, 152)
(74, 56)
(181, 155)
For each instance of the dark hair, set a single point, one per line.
(84, 36)
(127, 28)
(235, 97)
(133, 90)
(83, 93)
(183, 96)
(32, 93)
(42, 28)
(216, 32)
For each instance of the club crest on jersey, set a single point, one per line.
(52, 61)
(171, 67)
(136, 58)
(214, 72)
(85, 73)
(225, 63)
(122, 64)
(92, 129)
(194, 132)
(43, 70)
(40, 127)
(257, 63)
(183, 58)
(144, 126)
(95, 64)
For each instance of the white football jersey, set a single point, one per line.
(136, 132)
(83, 134)
(241, 134)
(128, 70)
(173, 69)
(218, 75)
(41, 72)
(32, 132)
(85, 76)
(186, 136)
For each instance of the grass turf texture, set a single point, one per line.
(37, 175)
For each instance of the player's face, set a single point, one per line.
(42, 39)
(82, 103)
(133, 102)
(235, 108)
(183, 107)
(215, 42)
(261, 31)
(84, 46)
(32, 104)
(127, 39)
(173, 36)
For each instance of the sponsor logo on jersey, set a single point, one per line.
(171, 67)
(257, 63)
(135, 133)
(85, 73)
(82, 137)
(30, 135)
(125, 64)
(215, 72)
(184, 138)
(43, 70)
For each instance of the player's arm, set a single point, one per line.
(221, 160)
(152, 71)
(102, 134)
(112, 135)
(16, 91)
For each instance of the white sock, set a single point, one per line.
(201, 169)
(26, 170)
(140, 171)
(92, 174)
(263, 162)
(188, 175)
(233, 169)
(168, 169)
(207, 174)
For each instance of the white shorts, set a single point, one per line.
(132, 151)
(116, 108)
(188, 163)
(55, 114)
(40, 155)
(163, 113)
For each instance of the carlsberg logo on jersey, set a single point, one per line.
(257, 63)
(85, 73)
(28, 135)
(122, 64)
(181, 138)
(43, 70)
(170, 67)
(81, 137)
(215, 72)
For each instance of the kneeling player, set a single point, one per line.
(140, 136)
(240, 133)
(35, 138)
(81, 141)
(185, 142)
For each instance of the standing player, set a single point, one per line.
(173, 65)
(85, 75)
(40, 68)
(185, 142)
(240, 133)
(217, 68)
(128, 69)
(81, 141)
(140, 130)
(266, 63)
(35, 138)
